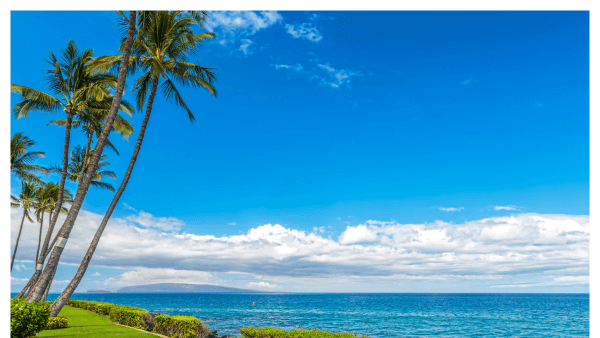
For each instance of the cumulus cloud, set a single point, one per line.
(95, 274)
(451, 209)
(245, 46)
(305, 31)
(143, 276)
(506, 207)
(261, 285)
(496, 248)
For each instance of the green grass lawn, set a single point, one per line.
(83, 323)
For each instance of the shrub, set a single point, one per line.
(270, 332)
(133, 317)
(56, 323)
(27, 319)
(181, 327)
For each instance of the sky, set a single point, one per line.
(345, 152)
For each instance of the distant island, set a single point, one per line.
(98, 291)
(182, 288)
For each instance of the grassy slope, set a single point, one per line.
(83, 323)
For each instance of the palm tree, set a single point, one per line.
(92, 122)
(73, 86)
(21, 159)
(77, 165)
(40, 286)
(25, 201)
(44, 201)
(163, 43)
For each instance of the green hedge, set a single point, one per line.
(181, 327)
(27, 319)
(140, 319)
(270, 332)
(56, 323)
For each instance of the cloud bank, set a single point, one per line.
(496, 248)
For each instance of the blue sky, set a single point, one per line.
(326, 120)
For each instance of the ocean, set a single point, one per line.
(377, 315)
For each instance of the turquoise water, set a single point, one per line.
(377, 315)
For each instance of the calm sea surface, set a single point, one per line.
(378, 315)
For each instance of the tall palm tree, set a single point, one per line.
(45, 200)
(21, 160)
(38, 289)
(25, 200)
(161, 49)
(92, 122)
(76, 165)
(73, 86)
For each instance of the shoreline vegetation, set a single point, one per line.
(168, 326)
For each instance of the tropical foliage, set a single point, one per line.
(21, 159)
(27, 319)
(77, 165)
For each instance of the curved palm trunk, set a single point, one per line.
(24, 289)
(48, 288)
(85, 158)
(46, 240)
(17, 244)
(63, 175)
(68, 291)
(38, 268)
(37, 254)
(40, 287)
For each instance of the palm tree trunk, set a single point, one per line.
(47, 239)
(48, 288)
(85, 158)
(68, 291)
(64, 232)
(17, 244)
(24, 289)
(37, 254)
(38, 267)
(63, 176)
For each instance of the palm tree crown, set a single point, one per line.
(76, 165)
(21, 160)
(164, 43)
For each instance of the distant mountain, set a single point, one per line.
(98, 291)
(183, 288)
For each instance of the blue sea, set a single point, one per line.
(377, 315)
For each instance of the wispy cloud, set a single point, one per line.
(539, 105)
(128, 207)
(298, 67)
(305, 31)
(245, 46)
(335, 78)
(232, 223)
(450, 209)
(95, 274)
(557, 281)
(468, 81)
(148, 220)
(233, 28)
(20, 267)
(505, 207)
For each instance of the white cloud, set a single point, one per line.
(557, 281)
(147, 220)
(234, 27)
(466, 82)
(128, 207)
(261, 285)
(496, 248)
(305, 31)
(298, 67)
(20, 267)
(95, 274)
(451, 209)
(506, 207)
(232, 223)
(335, 78)
(143, 276)
(245, 46)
